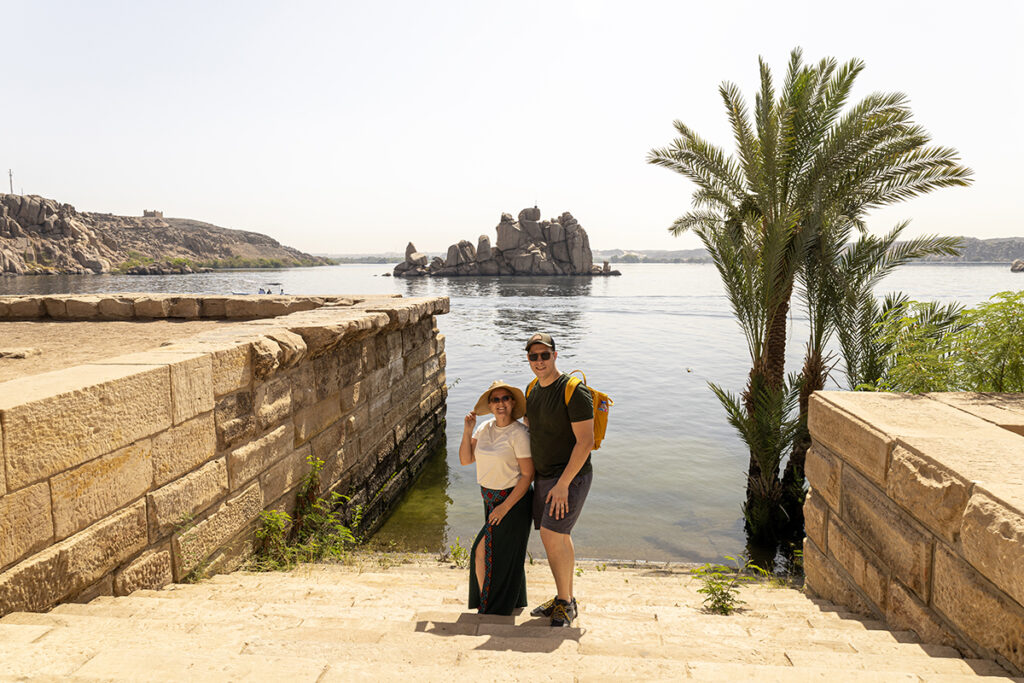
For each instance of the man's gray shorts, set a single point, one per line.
(578, 489)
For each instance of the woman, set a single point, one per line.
(501, 450)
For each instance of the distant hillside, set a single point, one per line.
(995, 250)
(39, 235)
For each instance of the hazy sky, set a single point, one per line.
(344, 127)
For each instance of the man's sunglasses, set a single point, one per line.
(501, 399)
(543, 355)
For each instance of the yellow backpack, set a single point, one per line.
(602, 402)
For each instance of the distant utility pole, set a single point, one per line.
(10, 176)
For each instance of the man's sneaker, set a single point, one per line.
(562, 612)
(544, 610)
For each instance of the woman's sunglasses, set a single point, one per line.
(543, 355)
(501, 399)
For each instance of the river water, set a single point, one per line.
(668, 480)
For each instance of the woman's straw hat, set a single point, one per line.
(483, 406)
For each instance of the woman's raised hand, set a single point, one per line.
(470, 423)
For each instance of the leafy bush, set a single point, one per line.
(720, 584)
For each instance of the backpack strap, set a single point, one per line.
(530, 386)
(570, 387)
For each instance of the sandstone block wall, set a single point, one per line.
(142, 469)
(915, 514)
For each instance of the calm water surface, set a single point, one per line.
(669, 477)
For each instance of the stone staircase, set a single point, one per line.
(374, 620)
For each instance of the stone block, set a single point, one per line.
(312, 420)
(191, 378)
(232, 368)
(56, 307)
(194, 545)
(36, 583)
(273, 402)
(58, 420)
(905, 612)
(901, 544)
(293, 348)
(856, 441)
(985, 616)
(351, 395)
(992, 540)
(116, 308)
(103, 587)
(213, 307)
(82, 307)
(329, 446)
(303, 383)
(171, 506)
(150, 570)
(90, 492)
(26, 308)
(326, 371)
(860, 564)
(816, 519)
(823, 470)
(99, 549)
(248, 460)
(932, 493)
(183, 447)
(823, 579)
(235, 418)
(1003, 410)
(183, 307)
(151, 307)
(26, 524)
(285, 475)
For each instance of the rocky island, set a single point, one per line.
(43, 236)
(529, 246)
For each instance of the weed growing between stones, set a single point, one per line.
(318, 530)
(455, 553)
(721, 584)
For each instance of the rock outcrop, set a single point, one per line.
(1017, 266)
(39, 235)
(527, 246)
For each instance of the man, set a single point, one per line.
(561, 437)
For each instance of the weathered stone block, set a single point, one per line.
(26, 308)
(816, 519)
(82, 307)
(103, 587)
(933, 494)
(293, 348)
(904, 612)
(901, 544)
(992, 539)
(273, 402)
(26, 524)
(856, 441)
(232, 368)
(191, 387)
(173, 504)
(183, 447)
(1004, 410)
(248, 460)
(35, 584)
(326, 375)
(116, 308)
(183, 307)
(213, 307)
(285, 475)
(57, 420)
(150, 570)
(985, 616)
(860, 564)
(151, 307)
(235, 418)
(100, 548)
(194, 545)
(55, 307)
(303, 383)
(823, 470)
(88, 493)
(822, 578)
(314, 419)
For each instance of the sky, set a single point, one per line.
(356, 127)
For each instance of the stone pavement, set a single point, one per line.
(373, 620)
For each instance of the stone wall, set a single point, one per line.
(147, 468)
(916, 514)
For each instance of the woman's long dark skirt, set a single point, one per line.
(504, 586)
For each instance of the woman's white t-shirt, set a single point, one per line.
(497, 449)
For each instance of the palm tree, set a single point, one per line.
(804, 174)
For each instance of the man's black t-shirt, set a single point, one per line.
(551, 435)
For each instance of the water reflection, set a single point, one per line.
(500, 286)
(420, 521)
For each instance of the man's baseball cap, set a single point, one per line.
(541, 338)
